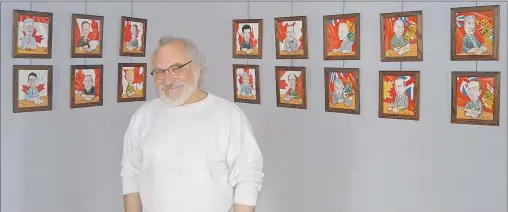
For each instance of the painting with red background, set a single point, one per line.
(333, 28)
(483, 24)
(388, 29)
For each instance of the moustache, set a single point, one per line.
(173, 86)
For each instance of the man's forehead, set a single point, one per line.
(170, 55)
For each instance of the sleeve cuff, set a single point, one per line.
(246, 197)
(130, 186)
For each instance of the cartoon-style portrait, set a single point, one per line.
(291, 87)
(401, 36)
(247, 38)
(32, 88)
(291, 37)
(246, 83)
(399, 94)
(86, 85)
(87, 36)
(341, 37)
(131, 82)
(475, 33)
(32, 34)
(133, 36)
(475, 98)
(342, 90)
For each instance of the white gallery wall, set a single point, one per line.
(55, 161)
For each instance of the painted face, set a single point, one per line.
(85, 29)
(343, 31)
(88, 82)
(245, 78)
(28, 26)
(290, 32)
(469, 25)
(246, 34)
(400, 88)
(398, 27)
(339, 87)
(292, 81)
(473, 90)
(129, 76)
(31, 80)
(175, 90)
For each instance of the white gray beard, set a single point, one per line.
(174, 101)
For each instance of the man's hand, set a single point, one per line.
(243, 208)
(132, 202)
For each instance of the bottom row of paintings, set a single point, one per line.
(475, 95)
(33, 86)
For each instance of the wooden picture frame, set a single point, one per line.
(246, 92)
(131, 82)
(86, 87)
(252, 28)
(133, 45)
(90, 43)
(400, 89)
(485, 88)
(484, 32)
(298, 30)
(342, 90)
(341, 37)
(406, 44)
(38, 39)
(294, 91)
(32, 88)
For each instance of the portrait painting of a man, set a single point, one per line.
(131, 82)
(291, 37)
(475, 98)
(341, 37)
(33, 87)
(402, 36)
(291, 87)
(86, 85)
(32, 36)
(247, 38)
(87, 36)
(342, 90)
(399, 94)
(475, 33)
(133, 36)
(246, 83)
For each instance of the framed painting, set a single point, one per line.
(291, 37)
(246, 83)
(291, 87)
(133, 36)
(401, 36)
(341, 37)
(131, 82)
(32, 88)
(32, 34)
(475, 98)
(87, 36)
(86, 85)
(342, 90)
(248, 38)
(399, 95)
(475, 33)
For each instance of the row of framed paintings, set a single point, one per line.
(33, 86)
(474, 36)
(33, 35)
(475, 95)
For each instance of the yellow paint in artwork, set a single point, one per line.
(486, 116)
(343, 106)
(285, 53)
(253, 52)
(292, 101)
(95, 51)
(28, 104)
(488, 44)
(387, 86)
(38, 50)
(411, 53)
(253, 97)
(126, 50)
(341, 54)
(78, 100)
(401, 112)
(137, 94)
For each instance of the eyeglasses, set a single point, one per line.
(174, 70)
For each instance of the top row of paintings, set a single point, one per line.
(33, 35)
(474, 36)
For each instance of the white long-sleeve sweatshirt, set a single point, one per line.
(200, 157)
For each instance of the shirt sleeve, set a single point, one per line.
(131, 160)
(245, 161)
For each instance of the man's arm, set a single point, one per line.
(132, 202)
(246, 163)
(131, 164)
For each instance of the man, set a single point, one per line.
(89, 89)
(245, 87)
(189, 150)
(470, 43)
(474, 107)
(28, 41)
(292, 93)
(84, 41)
(32, 94)
(291, 44)
(130, 90)
(134, 44)
(401, 101)
(398, 43)
(246, 45)
(339, 95)
(346, 46)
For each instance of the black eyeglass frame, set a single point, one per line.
(171, 69)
